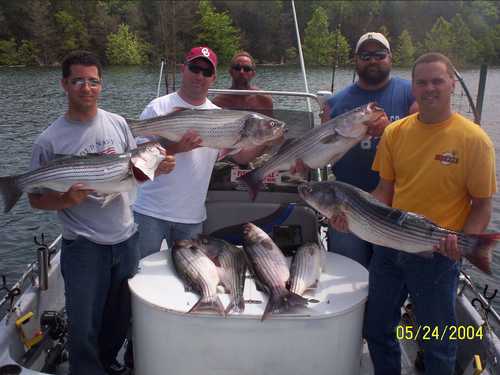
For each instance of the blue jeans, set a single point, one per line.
(432, 284)
(152, 231)
(97, 300)
(349, 245)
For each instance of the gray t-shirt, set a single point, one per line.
(105, 133)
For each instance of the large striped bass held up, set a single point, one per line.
(375, 222)
(218, 128)
(231, 265)
(319, 146)
(269, 266)
(198, 273)
(107, 174)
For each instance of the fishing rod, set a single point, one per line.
(336, 61)
(302, 65)
(477, 115)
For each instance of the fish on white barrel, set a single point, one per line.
(306, 267)
(231, 265)
(218, 128)
(199, 274)
(106, 174)
(269, 266)
(319, 146)
(375, 222)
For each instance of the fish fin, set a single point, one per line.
(482, 253)
(227, 152)
(282, 303)
(329, 139)
(108, 198)
(253, 183)
(212, 304)
(132, 121)
(237, 305)
(10, 192)
(179, 109)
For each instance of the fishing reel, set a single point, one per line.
(54, 324)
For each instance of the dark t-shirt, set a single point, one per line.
(395, 98)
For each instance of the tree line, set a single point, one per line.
(132, 32)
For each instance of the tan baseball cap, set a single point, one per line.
(377, 37)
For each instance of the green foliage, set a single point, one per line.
(318, 41)
(71, 32)
(28, 53)
(125, 48)
(8, 52)
(291, 54)
(465, 48)
(466, 31)
(217, 32)
(404, 53)
(440, 38)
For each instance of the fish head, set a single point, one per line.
(322, 196)
(354, 124)
(211, 246)
(371, 112)
(252, 233)
(145, 159)
(259, 129)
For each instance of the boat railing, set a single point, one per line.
(483, 300)
(35, 270)
(267, 92)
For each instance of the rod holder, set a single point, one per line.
(43, 267)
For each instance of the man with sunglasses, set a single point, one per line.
(373, 62)
(242, 71)
(173, 207)
(99, 246)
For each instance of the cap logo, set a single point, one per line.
(369, 36)
(205, 52)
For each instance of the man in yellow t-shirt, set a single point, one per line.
(439, 164)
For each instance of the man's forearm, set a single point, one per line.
(48, 201)
(479, 216)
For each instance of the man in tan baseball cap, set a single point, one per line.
(376, 37)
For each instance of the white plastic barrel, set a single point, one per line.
(323, 339)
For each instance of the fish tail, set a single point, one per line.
(213, 304)
(253, 182)
(283, 303)
(237, 304)
(10, 192)
(482, 252)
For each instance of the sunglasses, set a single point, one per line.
(93, 82)
(238, 67)
(195, 69)
(377, 55)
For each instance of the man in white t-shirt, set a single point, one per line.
(172, 207)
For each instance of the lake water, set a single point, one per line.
(32, 98)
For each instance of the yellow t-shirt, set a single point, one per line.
(437, 168)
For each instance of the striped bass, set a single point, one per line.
(270, 268)
(218, 128)
(319, 146)
(375, 222)
(107, 174)
(198, 273)
(231, 264)
(306, 268)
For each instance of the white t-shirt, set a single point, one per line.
(180, 195)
